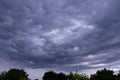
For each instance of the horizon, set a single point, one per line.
(40, 76)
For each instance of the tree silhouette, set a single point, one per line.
(70, 76)
(76, 76)
(2, 76)
(62, 76)
(118, 76)
(103, 75)
(51, 75)
(19, 74)
(14, 74)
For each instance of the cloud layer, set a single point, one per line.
(61, 34)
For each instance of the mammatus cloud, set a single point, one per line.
(62, 34)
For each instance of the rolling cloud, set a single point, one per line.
(61, 34)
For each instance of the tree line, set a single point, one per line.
(20, 74)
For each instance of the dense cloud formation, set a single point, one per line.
(60, 34)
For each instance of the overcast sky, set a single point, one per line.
(59, 35)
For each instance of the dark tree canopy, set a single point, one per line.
(19, 74)
(61, 76)
(103, 75)
(76, 76)
(3, 75)
(51, 75)
(14, 74)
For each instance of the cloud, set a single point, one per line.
(75, 30)
(66, 35)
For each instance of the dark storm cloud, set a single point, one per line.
(64, 34)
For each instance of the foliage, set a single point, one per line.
(17, 74)
(3, 76)
(103, 75)
(14, 74)
(76, 76)
(118, 76)
(61, 76)
(51, 75)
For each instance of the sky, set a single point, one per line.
(59, 35)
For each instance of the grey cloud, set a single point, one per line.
(60, 34)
